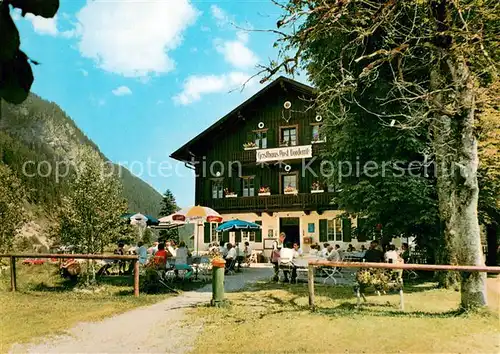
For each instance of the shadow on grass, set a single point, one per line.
(344, 301)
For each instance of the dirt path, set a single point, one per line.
(153, 329)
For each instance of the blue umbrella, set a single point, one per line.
(233, 225)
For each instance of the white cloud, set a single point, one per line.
(43, 25)
(122, 91)
(84, 72)
(220, 15)
(237, 53)
(133, 38)
(195, 86)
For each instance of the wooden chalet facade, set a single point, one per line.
(261, 163)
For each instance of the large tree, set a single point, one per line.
(12, 212)
(90, 216)
(407, 64)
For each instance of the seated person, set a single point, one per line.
(374, 254)
(314, 250)
(297, 249)
(391, 256)
(230, 257)
(351, 248)
(363, 248)
(223, 250)
(160, 257)
(405, 254)
(334, 255)
(324, 251)
(181, 257)
(142, 252)
(240, 254)
(121, 264)
(287, 254)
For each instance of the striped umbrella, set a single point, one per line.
(197, 214)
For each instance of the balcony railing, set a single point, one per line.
(277, 202)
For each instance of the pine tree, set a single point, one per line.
(169, 205)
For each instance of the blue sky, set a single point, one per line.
(141, 78)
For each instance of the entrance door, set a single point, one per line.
(290, 226)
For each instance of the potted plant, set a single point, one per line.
(317, 139)
(316, 188)
(229, 194)
(284, 143)
(264, 190)
(250, 146)
(290, 190)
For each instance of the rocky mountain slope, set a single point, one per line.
(39, 130)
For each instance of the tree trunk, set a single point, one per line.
(455, 147)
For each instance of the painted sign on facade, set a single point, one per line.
(284, 153)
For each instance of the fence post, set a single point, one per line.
(13, 280)
(310, 281)
(136, 278)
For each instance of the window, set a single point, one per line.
(214, 235)
(217, 189)
(334, 230)
(248, 236)
(316, 136)
(289, 182)
(261, 139)
(288, 136)
(248, 186)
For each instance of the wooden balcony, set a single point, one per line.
(272, 203)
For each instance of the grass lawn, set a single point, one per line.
(46, 305)
(273, 318)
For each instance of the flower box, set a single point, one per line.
(231, 195)
(250, 148)
(317, 191)
(264, 193)
(291, 192)
(318, 141)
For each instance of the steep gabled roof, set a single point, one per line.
(182, 154)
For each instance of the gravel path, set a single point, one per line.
(152, 329)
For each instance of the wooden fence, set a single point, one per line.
(422, 267)
(14, 256)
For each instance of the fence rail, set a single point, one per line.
(396, 266)
(14, 256)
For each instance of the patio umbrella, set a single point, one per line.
(237, 224)
(197, 214)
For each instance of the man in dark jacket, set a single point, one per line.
(374, 254)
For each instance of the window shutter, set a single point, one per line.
(258, 233)
(225, 236)
(250, 137)
(346, 230)
(323, 230)
(237, 236)
(206, 234)
(271, 138)
(360, 230)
